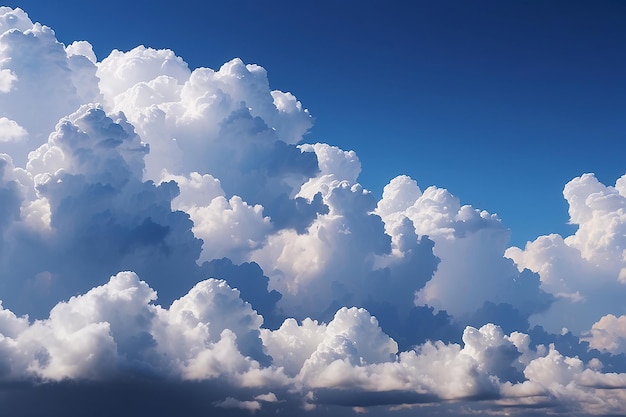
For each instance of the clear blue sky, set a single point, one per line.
(500, 102)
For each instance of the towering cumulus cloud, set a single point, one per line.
(170, 245)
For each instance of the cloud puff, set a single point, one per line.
(39, 81)
(88, 178)
(608, 334)
(228, 227)
(585, 270)
(115, 327)
(225, 123)
(10, 131)
(344, 257)
(470, 245)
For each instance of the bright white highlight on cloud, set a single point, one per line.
(10, 131)
(470, 244)
(585, 270)
(609, 334)
(161, 223)
(203, 335)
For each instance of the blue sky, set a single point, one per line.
(186, 226)
(500, 102)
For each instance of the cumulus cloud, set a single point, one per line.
(231, 402)
(7, 77)
(585, 270)
(608, 334)
(470, 244)
(40, 82)
(271, 279)
(10, 131)
(227, 123)
(211, 334)
(345, 256)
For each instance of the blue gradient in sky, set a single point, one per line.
(500, 102)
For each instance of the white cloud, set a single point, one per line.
(231, 402)
(189, 115)
(229, 228)
(7, 78)
(470, 245)
(608, 334)
(115, 328)
(352, 338)
(585, 270)
(292, 344)
(345, 254)
(10, 131)
(40, 83)
(270, 397)
(14, 19)
(81, 48)
(87, 181)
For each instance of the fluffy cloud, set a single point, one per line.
(115, 327)
(226, 123)
(39, 81)
(344, 257)
(470, 244)
(585, 270)
(88, 178)
(608, 334)
(11, 131)
(228, 227)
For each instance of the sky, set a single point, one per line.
(331, 208)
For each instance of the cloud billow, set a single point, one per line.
(166, 232)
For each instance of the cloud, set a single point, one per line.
(608, 334)
(231, 402)
(584, 271)
(115, 327)
(270, 397)
(116, 330)
(7, 77)
(228, 227)
(272, 281)
(10, 191)
(470, 245)
(11, 131)
(88, 177)
(40, 83)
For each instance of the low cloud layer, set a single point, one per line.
(168, 232)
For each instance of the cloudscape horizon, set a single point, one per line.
(172, 243)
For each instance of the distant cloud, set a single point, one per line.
(585, 271)
(10, 131)
(608, 334)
